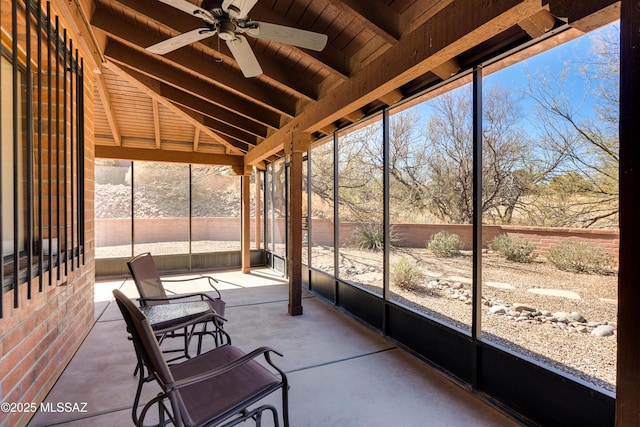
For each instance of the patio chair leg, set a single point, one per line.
(162, 411)
(275, 416)
(285, 405)
(200, 335)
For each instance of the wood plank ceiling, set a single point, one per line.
(195, 105)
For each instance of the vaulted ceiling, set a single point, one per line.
(195, 105)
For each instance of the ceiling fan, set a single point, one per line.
(230, 21)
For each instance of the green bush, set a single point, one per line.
(444, 244)
(580, 257)
(371, 236)
(406, 275)
(513, 248)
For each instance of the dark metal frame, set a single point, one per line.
(511, 381)
(67, 159)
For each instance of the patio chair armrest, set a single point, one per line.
(178, 296)
(204, 317)
(184, 382)
(210, 280)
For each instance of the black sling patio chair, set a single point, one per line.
(218, 387)
(152, 292)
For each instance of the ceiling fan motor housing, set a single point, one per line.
(226, 30)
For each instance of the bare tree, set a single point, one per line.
(583, 136)
(434, 164)
(360, 174)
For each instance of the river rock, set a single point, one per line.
(603, 331)
(523, 307)
(498, 309)
(578, 317)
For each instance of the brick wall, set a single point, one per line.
(39, 337)
(417, 235)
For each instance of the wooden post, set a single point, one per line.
(294, 149)
(258, 218)
(627, 396)
(245, 243)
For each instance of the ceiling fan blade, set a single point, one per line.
(241, 51)
(177, 42)
(288, 35)
(243, 6)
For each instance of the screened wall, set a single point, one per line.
(183, 212)
(477, 224)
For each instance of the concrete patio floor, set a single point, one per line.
(341, 373)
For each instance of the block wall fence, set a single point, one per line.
(112, 232)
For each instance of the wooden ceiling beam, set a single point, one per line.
(156, 123)
(77, 18)
(329, 129)
(196, 139)
(355, 115)
(585, 15)
(420, 12)
(152, 92)
(451, 32)
(195, 103)
(374, 15)
(250, 89)
(150, 155)
(159, 70)
(447, 69)
(391, 97)
(330, 58)
(538, 24)
(103, 92)
(179, 22)
(238, 138)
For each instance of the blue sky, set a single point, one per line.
(573, 54)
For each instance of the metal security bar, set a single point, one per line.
(42, 158)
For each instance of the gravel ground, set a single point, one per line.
(584, 355)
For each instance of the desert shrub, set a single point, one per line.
(513, 248)
(444, 244)
(371, 236)
(406, 274)
(580, 257)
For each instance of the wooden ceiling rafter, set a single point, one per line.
(228, 135)
(103, 92)
(458, 27)
(233, 136)
(162, 71)
(391, 97)
(230, 80)
(420, 12)
(373, 15)
(172, 22)
(156, 123)
(179, 97)
(330, 58)
(377, 53)
(198, 122)
(145, 154)
(196, 139)
(538, 24)
(447, 69)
